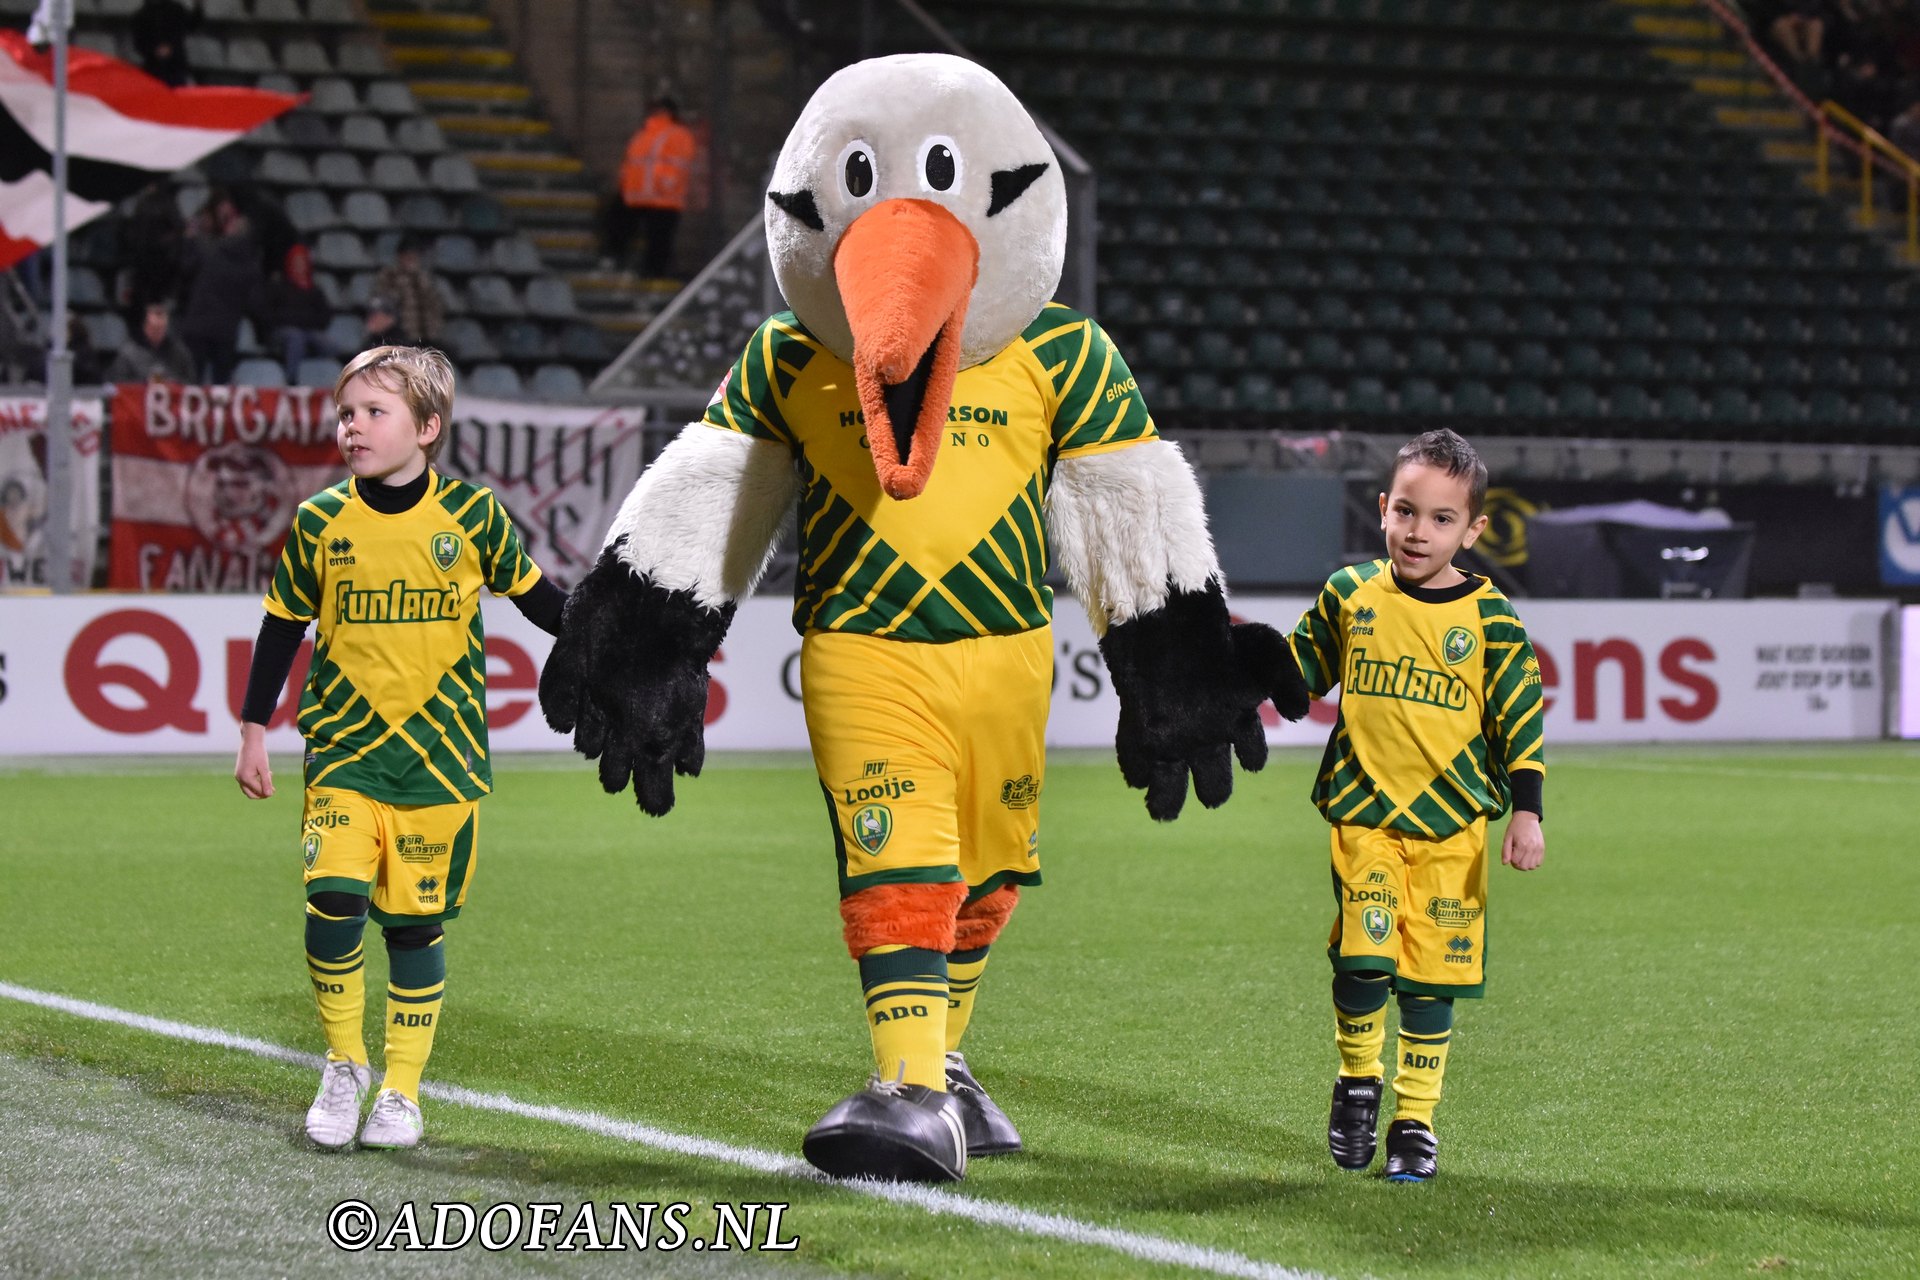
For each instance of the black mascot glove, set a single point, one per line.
(1191, 682)
(628, 679)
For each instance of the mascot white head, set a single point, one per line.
(919, 223)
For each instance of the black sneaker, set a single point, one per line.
(1354, 1120)
(1412, 1152)
(989, 1132)
(901, 1132)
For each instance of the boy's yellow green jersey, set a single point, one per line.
(1439, 701)
(395, 701)
(920, 569)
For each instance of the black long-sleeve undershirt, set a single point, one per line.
(278, 643)
(1528, 784)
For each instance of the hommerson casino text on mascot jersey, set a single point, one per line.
(917, 223)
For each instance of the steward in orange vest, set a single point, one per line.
(659, 164)
(655, 180)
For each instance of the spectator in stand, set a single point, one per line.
(160, 30)
(273, 230)
(655, 180)
(155, 230)
(89, 364)
(1904, 132)
(154, 353)
(297, 313)
(221, 286)
(383, 321)
(409, 287)
(1795, 31)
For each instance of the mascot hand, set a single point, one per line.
(1190, 683)
(628, 679)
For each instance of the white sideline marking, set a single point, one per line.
(1053, 1226)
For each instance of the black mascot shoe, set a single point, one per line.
(901, 1132)
(989, 1132)
(1354, 1120)
(1412, 1152)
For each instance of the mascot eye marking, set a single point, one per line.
(799, 206)
(1009, 184)
(858, 172)
(939, 164)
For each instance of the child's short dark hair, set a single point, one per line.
(1447, 451)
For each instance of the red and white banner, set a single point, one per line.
(23, 490)
(109, 674)
(206, 479)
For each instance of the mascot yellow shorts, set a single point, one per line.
(413, 860)
(932, 756)
(1412, 907)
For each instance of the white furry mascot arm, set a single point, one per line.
(628, 673)
(1130, 530)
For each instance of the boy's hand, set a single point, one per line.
(250, 767)
(1524, 846)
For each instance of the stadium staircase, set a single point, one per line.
(361, 164)
(455, 59)
(1532, 217)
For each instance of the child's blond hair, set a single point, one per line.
(421, 376)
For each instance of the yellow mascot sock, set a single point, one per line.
(963, 983)
(906, 994)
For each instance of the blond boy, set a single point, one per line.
(389, 563)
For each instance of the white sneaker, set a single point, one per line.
(393, 1122)
(335, 1112)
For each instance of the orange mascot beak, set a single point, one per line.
(905, 269)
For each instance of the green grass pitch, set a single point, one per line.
(1697, 1056)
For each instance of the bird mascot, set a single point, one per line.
(946, 432)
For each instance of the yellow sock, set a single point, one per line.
(906, 994)
(1426, 1026)
(963, 983)
(417, 978)
(336, 964)
(1360, 1022)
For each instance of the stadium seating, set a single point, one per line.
(1508, 213)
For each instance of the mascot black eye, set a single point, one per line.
(940, 168)
(859, 173)
(939, 164)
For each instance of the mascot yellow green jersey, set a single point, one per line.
(944, 432)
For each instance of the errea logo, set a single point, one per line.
(340, 552)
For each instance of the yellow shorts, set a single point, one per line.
(413, 860)
(932, 756)
(1412, 907)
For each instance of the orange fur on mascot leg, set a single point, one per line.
(981, 920)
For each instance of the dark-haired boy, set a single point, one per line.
(1439, 731)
